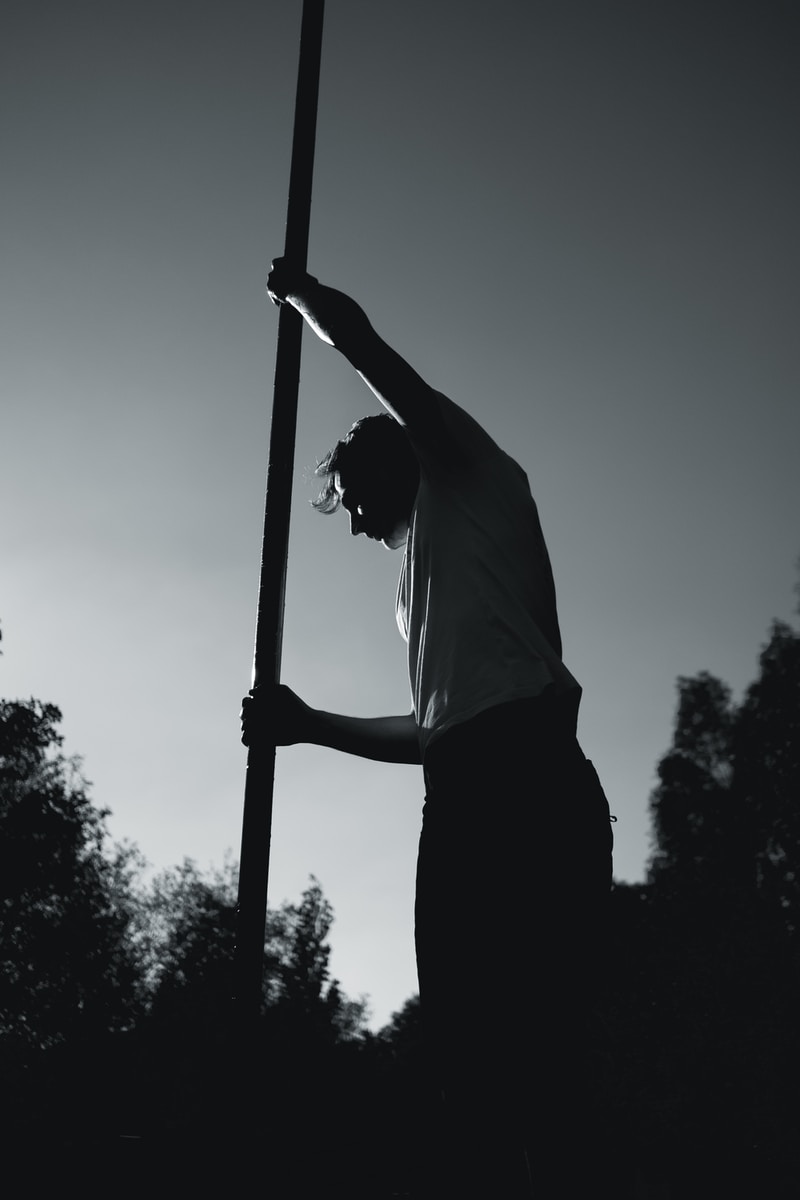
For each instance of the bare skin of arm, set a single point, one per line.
(338, 320)
(385, 739)
(282, 716)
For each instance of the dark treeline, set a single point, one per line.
(121, 1068)
(703, 992)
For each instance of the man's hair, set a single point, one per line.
(376, 446)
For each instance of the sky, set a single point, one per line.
(577, 218)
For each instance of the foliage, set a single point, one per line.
(187, 930)
(86, 946)
(726, 816)
(297, 968)
(66, 967)
(704, 979)
(766, 757)
(115, 1006)
(122, 986)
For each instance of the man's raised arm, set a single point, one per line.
(342, 323)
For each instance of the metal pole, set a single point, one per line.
(259, 780)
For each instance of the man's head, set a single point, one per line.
(373, 474)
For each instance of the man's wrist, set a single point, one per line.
(303, 289)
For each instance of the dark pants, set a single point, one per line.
(513, 879)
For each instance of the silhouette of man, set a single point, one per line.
(514, 864)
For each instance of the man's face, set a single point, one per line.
(373, 511)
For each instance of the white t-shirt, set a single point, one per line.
(476, 600)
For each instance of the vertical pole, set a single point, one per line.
(259, 780)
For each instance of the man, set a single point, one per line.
(514, 864)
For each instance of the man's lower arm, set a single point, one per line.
(385, 739)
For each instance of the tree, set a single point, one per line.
(298, 973)
(67, 967)
(115, 1013)
(401, 1038)
(186, 926)
(706, 980)
(87, 948)
(766, 758)
(726, 817)
(691, 808)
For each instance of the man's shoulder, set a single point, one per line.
(458, 438)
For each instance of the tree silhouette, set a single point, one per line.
(115, 1013)
(725, 814)
(766, 758)
(298, 982)
(121, 987)
(704, 980)
(186, 928)
(186, 923)
(67, 967)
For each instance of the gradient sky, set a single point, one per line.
(578, 219)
